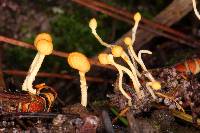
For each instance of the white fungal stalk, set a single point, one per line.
(133, 69)
(121, 87)
(129, 73)
(34, 72)
(25, 85)
(195, 9)
(151, 78)
(84, 89)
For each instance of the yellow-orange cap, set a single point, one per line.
(93, 23)
(44, 47)
(156, 85)
(103, 59)
(137, 17)
(127, 41)
(117, 51)
(79, 61)
(42, 36)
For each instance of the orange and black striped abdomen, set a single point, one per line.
(189, 66)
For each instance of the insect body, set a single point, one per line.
(19, 102)
(189, 66)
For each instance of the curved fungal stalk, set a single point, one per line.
(118, 51)
(139, 60)
(128, 41)
(108, 59)
(121, 87)
(93, 26)
(80, 62)
(195, 9)
(43, 44)
(151, 78)
(148, 84)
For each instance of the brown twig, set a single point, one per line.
(54, 75)
(146, 24)
(56, 53)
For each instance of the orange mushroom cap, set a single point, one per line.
(42, 36)
(103, 59)
(137, 17)
(127, 41)
(156, 85)
(79, 61)
(117, 51)
(44, 47)
(93, 23)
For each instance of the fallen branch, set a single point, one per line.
(54, 75)
(56, 53)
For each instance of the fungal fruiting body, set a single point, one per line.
(108, 59)
(195, 9)
(93, 26)
(44, 46)
(80, 62)
(117, 51)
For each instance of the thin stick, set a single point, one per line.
(54, 75)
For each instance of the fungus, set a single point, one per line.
(43, 43)
(80, 62)
(155, 85)
(93, 26)
(108, 59)
(118, 51)
(138, 58)
(137, 17)
(195, 9)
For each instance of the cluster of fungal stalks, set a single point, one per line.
(132, 61)
(44, 46)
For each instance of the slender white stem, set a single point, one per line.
(34, 72)
(83, 89)
(133, 69)
(100, 40)
(151, 78)
(134, 29)
(24, 86)
(120, 84)
(136, 58)
(150, 90)
(127, 71)
(195, 9)
(132, 59)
